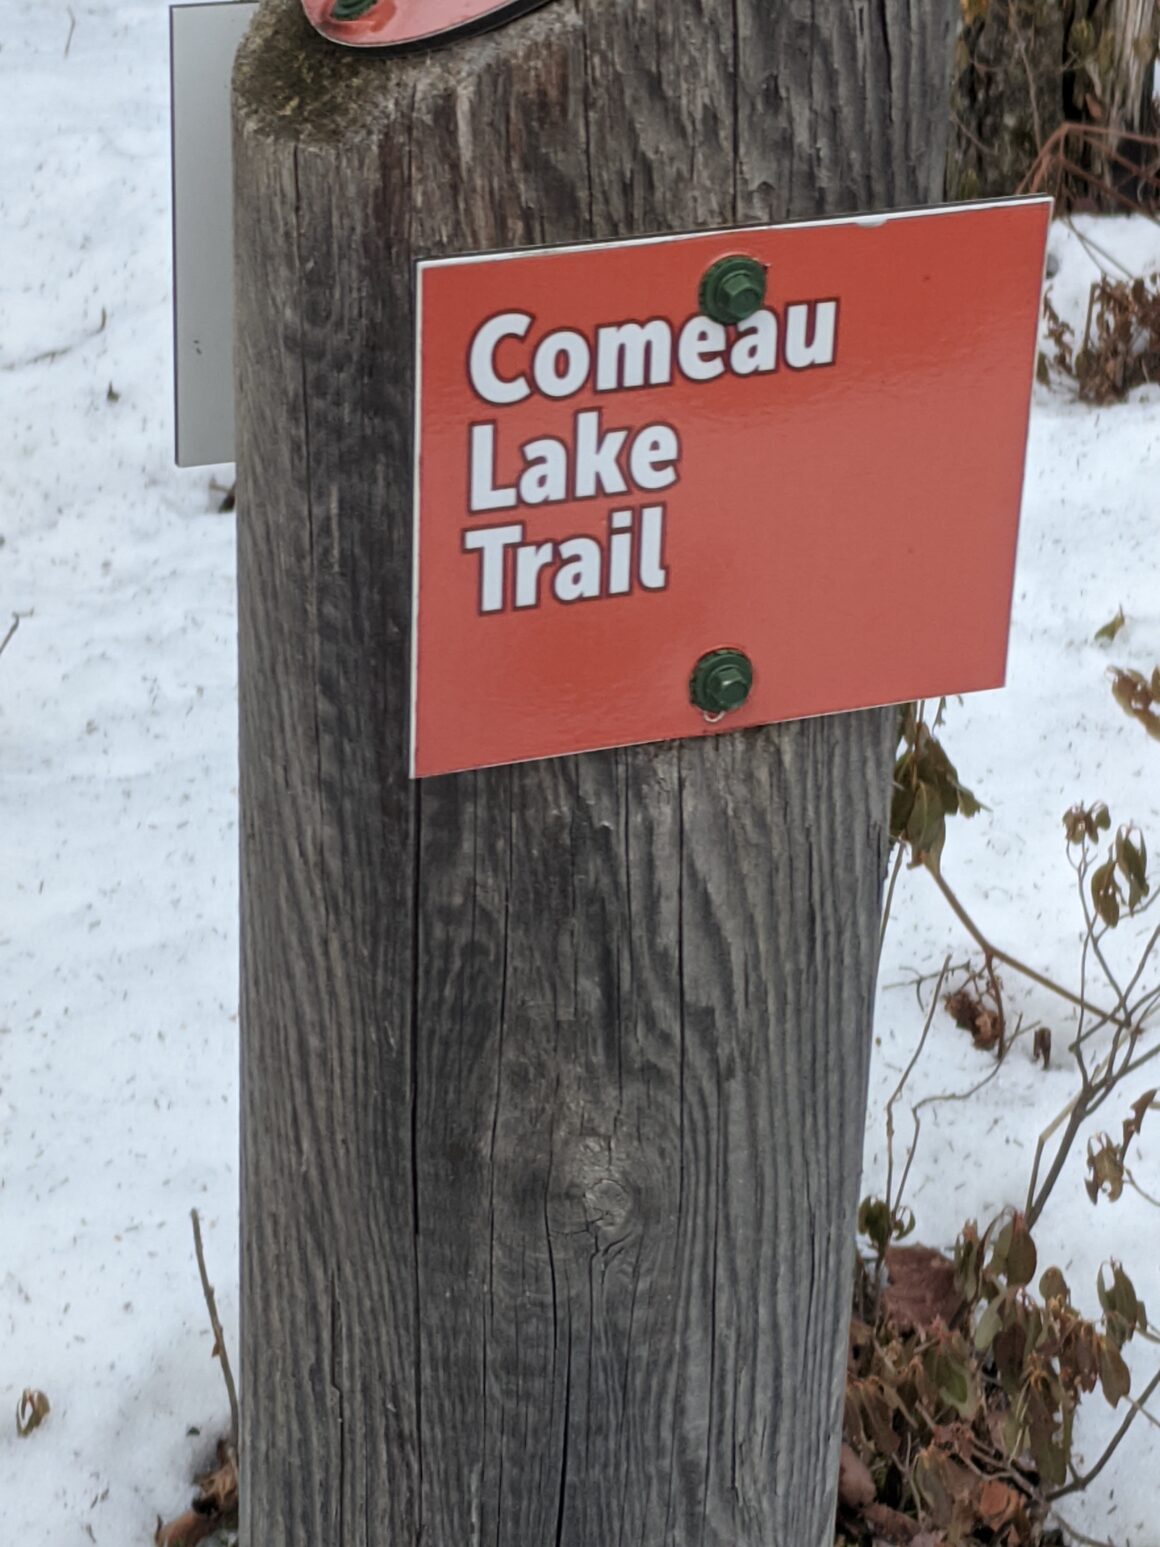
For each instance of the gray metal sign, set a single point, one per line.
(203, 41)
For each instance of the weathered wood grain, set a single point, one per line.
(553, 1077)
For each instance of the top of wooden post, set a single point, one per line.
(290, 83)
(709, 82)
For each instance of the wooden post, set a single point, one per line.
(554, 1075)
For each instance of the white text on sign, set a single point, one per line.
(600, 460)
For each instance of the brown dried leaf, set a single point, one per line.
(944, 1486)
(1112, 627)
(1133, 1124)
(1053, 1286)
(1106, 893)
(1061, 335)
(997, 1504)
(1022, 1258)
(186, 1531)
(920, 1289)
(1105, 1169)
(987, 1029)
(1115, 1377)
(1084, 824)
(971, 1013)
(891, 1525)
(216, 1505)
(31, 1411)
(1137, 696)
(855, 1484)
(1132, 863)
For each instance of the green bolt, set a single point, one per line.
(350, 10)
(733, 289)
(721, 681)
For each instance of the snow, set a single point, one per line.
(118, 877)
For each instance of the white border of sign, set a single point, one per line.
(203, 39)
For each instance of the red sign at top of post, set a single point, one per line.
(634, 522)
(406, 23)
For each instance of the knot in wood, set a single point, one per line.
(608, 1203)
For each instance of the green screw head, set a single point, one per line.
(350, 10)
(721, 681)
(733, 289)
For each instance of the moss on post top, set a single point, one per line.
(290, 83)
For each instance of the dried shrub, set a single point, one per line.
(962, 1387)
(1121, 340)
(1084, 166)
(965, 1377)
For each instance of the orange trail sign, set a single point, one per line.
(684, 485)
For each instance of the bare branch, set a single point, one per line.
(218, 1334)
(11, 631)
(899, 856)
(1008, 960)
(46, 356)
(1077, 1484)
(906, 1073)
(1078, 1536)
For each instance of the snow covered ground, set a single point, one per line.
(118, 827)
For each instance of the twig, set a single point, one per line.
(899, 856)
(1091, 247)
(920, 979)
(984, 150)
(1084, 1104)
(46, 356)
(1077, 1484)
(1121, 997)
(1033, 100)
(898, 1089)
(1052, 155)
(997, 996)
(1138, 1063)
(72, 27)
(1148, 949)
(1077, 1113)
(938, 1100)
(1078, 1536)
(1143, 1412)
(219, 1335)
(11, 631)
(1102, 184)
(1008, 960)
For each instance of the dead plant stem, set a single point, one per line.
(891, 1205)
(994, 952)
(218, 1334)
(1078, 1484)
(899, 857)
(12, 629)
